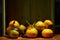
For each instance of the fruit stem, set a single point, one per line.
(28, 22)
(14, 22)
(34, 24)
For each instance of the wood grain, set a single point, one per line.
(56, 37)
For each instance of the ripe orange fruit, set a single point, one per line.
(48, 23)
(8, 29)
(31, 32)
(29, 26)
(14, 23)
(47, 33)
(40, 25)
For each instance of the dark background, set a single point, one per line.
(57, 12)
(0, 17)
(57, 16)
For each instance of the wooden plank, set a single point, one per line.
(56, 37)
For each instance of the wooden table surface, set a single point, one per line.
(56, 37)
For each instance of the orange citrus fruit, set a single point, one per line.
(47, 33)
